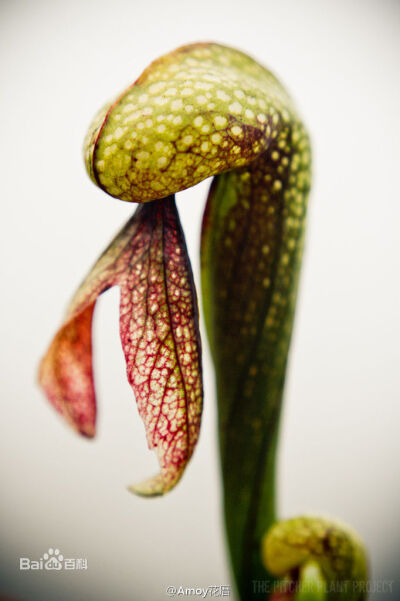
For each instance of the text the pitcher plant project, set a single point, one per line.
(208, 110)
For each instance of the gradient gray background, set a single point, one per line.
(339, 451)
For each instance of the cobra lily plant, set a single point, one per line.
(208, 110)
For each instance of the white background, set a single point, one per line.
(339, 453)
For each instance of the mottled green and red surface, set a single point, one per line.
(203, 110)
(159, 333)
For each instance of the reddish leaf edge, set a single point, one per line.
(159, 327)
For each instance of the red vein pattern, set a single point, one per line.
(160, 336)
